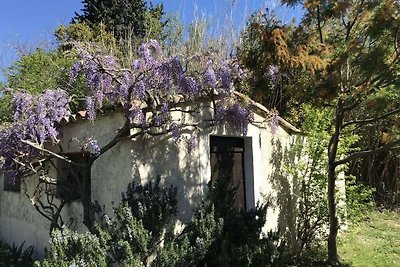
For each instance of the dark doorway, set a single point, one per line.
(227, 162)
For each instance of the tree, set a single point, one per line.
(356, 42)
(125, 19)
(150, 91)
(38, 71)
(267, 50)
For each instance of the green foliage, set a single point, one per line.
(131, 236)
(306, 163)
(278, 56)
(217, 235)
(379, 171)
(220, 235)
(191, 246)
(151, 203)
(340, 54)
(16, 256)
(5, 109)
(359, 200)
(301, 171)
(69, 248)
(135, 230)
(126, 239)
(173, 35)
(81, 32)
(39, 71)
(125, 19)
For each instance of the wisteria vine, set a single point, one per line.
(149, 90)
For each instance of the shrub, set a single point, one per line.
(359, 199)
(69, 248)
(151, 203)
(139, 234)
(221, 235)
(16, 255)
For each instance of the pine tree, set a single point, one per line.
(124, 18)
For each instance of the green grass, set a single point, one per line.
(374, 241)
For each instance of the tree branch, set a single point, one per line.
(371, 120)
(365, 153)
(36, 146)
(321, 39)
(122, 132)
(350, 25)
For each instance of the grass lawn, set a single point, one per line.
(372, 242)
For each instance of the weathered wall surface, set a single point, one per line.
(19, 221)
(143, 159)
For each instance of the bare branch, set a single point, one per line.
(365, 153)
(371, 120)
(36, 146)
(122, 132)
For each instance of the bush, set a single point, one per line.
(16, 255)
(221, 235)
(151, 203)
(141, 234)
(359, 199)
(69, 248)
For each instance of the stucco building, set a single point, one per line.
(248, 158)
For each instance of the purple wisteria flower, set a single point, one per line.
(274, 122)
(191, 142)
(149, 51)
(235, 115)
(90, 108)
(273, 71)
(23, 102)
(136, 64)
(139, 90)
(75, 70)
(93, 146)
(35, 120)
(176, 133)
(225, 76)
(154, 80)
(190, 86)
(165, 108)
(210, 79)
(237, 71)
(136, 115)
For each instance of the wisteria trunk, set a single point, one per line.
(87, 197)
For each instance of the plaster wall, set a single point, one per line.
(142, 159)
(20, 222)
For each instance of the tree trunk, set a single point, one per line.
(87, 197)
(332, 154)
(333, 220)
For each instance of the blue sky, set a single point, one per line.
(26, 24)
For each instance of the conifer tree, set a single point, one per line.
(126, 18)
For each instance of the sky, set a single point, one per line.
(27, 24)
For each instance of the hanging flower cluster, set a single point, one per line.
(38, 115)
(156, 84)
(235, 115)
(36, 119)
(274, 122)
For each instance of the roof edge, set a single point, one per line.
(282, 122)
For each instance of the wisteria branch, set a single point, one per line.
(38, 147)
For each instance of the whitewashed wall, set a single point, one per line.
(143, 159)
